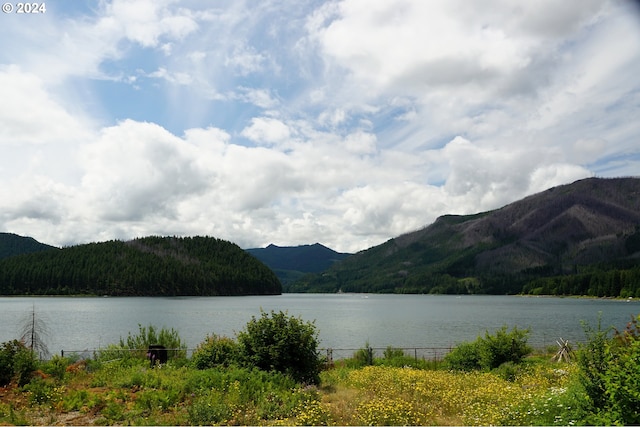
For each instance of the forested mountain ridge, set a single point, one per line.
(12, 244)
(580, 238)
(150, 266)
(292, 262)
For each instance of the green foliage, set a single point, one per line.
(609, 374)
(391, 353)
(8, 416)
(363, 356)
(623, 377)
(136, 346)
(43, 391)
(619, 279)
(592, 358)
(491, 351)
(17, 363)
(232, 395)
(244, 396)
(508, 371)
(282, 343)
(216, 351)
(504, 346)
(397, 358)
(56, 367)
(391, 357)
(465, 356)
(152, 266)
(128, 392)
(149, 335)
(559, 406)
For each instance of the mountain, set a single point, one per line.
(292, 262)
(577, 238)
(150, 266)
(12, 244)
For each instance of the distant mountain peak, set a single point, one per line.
(297, 260)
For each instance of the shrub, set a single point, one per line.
(278, 342)
(508, 371)
(396, 357)
(56, 367)
(609, 374)
(504, 347)
(593, 360)
(43, 391)
(623, 376)
(16, 362)
(363, 356)
(150, 336)
(490, 352)
(137, 345)
(242, 396)
(215, 351)
(393, 353)
(464, 357)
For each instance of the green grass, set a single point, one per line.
(390, 392)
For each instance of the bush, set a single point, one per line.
(56, 367)
(623, 379)
(16, 362)
(362, 357)
(504, 347)
(149, 336)
(137, 345)
(464, 357)
(490, 352)
(396, 357)
(610, 376)
(391, 353)
(509, 371)
(278, 342)
(216, 351)
(592, 359)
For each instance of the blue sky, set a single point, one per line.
(340, 122)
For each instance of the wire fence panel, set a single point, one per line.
(417, 353)
(331, 354)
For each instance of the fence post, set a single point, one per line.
(330, 356)
(61, 353)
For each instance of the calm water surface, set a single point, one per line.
(343, 320)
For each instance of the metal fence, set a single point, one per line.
(118, 352)
(417, 353)
(331, 354)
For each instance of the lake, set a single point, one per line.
(344, 321)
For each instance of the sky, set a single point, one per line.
(293, 122)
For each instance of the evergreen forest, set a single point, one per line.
(150, 266)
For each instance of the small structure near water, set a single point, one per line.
(564, 353)
(157, 355)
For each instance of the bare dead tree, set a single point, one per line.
(35, 334)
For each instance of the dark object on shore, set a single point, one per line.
(157, 355)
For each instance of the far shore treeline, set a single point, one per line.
(150, 266)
